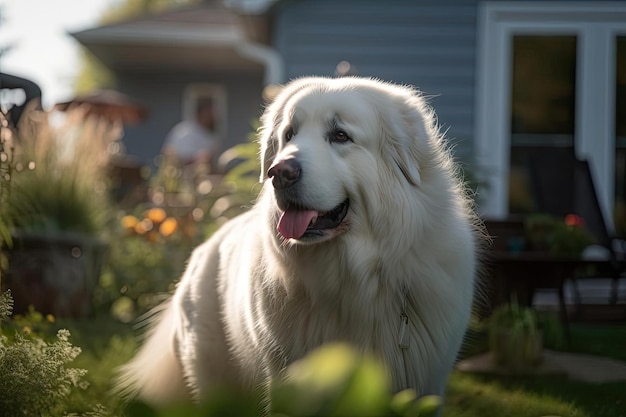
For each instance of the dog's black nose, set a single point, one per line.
(285, 173)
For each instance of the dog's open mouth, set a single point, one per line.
(297, 222)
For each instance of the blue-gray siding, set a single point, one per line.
(428, 44)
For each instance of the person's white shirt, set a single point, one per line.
(188, 141)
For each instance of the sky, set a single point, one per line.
(40, 48)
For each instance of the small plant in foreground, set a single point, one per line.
(334, 380)
(34, 377)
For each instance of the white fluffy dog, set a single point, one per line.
(362, 233)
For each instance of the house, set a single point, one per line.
(505, 77)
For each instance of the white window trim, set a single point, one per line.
(596, 24)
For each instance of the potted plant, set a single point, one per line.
(54, 206)
(515, 339)
(565, 236)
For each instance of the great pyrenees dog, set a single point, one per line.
(362, 233)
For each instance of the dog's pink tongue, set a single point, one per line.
(293, 223)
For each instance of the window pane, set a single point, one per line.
(544, 80)
(620, 138)
(543, 107)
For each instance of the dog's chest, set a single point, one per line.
(301, 325)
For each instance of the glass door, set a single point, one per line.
(543, 107)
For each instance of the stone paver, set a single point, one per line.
(579, 367)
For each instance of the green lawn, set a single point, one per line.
(480, 395)
(107, 344)
(607, 340)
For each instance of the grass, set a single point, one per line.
(107, 344)
(473, 395)
(481, 395)
(602, 340)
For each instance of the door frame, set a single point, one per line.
(596, 25)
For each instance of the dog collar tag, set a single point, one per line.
(403, 333)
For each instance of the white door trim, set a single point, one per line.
(595, 24)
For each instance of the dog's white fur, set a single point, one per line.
(252, 302)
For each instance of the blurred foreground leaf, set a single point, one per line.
(334, 380)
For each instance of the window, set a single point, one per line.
(543, 91)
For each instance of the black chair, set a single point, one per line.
(562, 185)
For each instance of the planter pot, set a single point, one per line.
(517, 351)
(56, 273)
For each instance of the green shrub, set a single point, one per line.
(567, 235)
(146, 258)
(514, 337)
(45, 188)
(334, 380)
(34, 379)
(34, 376)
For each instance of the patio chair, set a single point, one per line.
(563, 185)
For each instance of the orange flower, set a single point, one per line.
(144, 226)
(156, 215)
(168, 227)
(129, 222)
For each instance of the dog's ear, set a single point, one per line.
(405, 137)
(405, 160)
(412, 136)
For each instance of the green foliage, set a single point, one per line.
(32, 323)
(243, 179)
(334, 380)
(482, 396)
(56, 178)
(6, 168)
(514, 337)
(552, 331)
(6, 306)
(556, 235)
(34, 377)
(146, 258)
(44, 202)
(140, 272)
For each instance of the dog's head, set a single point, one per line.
(334, 150)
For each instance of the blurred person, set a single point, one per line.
(194, 142)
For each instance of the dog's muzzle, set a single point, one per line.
(298, 221)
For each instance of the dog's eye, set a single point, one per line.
(289, 134)
(339, 136)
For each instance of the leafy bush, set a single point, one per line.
(514, 337)
(334, 380)
(34, 377)
(567, 235)
(150, 245)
